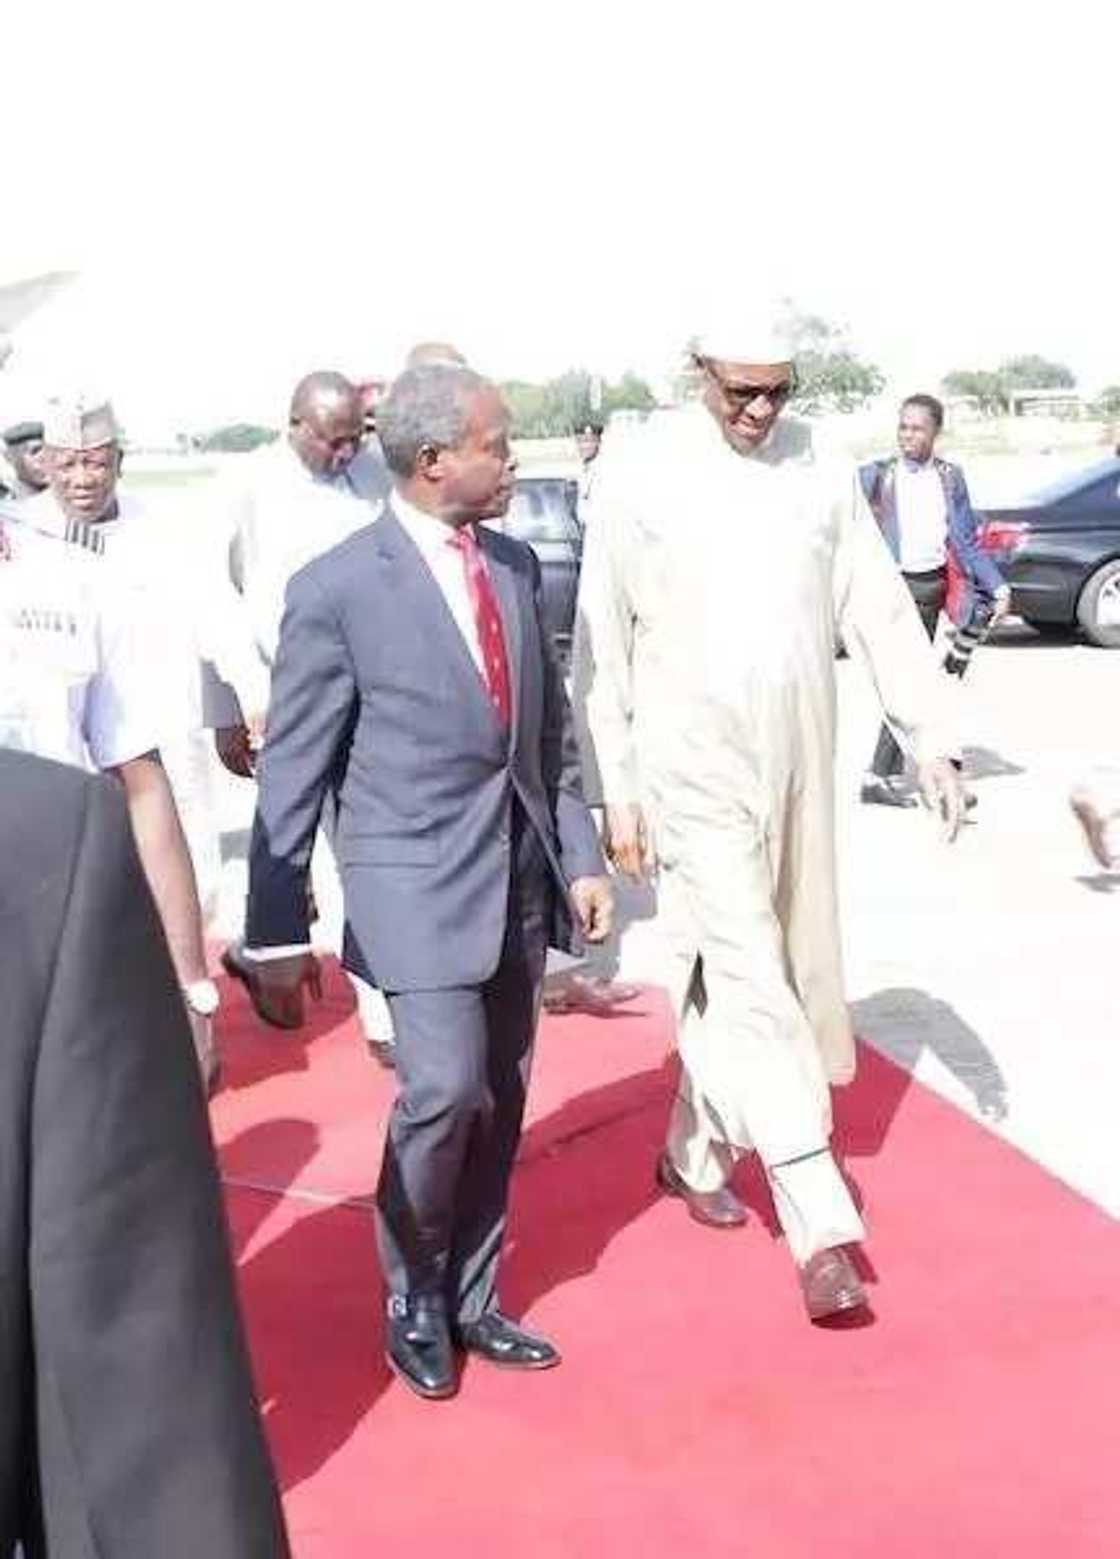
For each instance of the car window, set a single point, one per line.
(539, 512)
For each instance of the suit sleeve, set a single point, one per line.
(876, 618)
(973, 559)
(149, 1433)
(581, 854)
(310, 716)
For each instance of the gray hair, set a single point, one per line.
(426, 408)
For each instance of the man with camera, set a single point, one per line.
(924, 511)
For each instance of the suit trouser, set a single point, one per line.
(463, 1058)
(752, 1077)
(928, 591)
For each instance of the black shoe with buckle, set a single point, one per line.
(418, 1344)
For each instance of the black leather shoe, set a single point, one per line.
(498, 1340)
(418, 1345)
(881, 793)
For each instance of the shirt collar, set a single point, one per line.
(429, 533)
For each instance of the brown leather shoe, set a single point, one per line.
(720, 1209)
(830, 1284)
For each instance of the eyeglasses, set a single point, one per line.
(740, 396)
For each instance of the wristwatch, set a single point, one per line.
(202, 998)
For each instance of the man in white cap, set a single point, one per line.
(146, 562)
(723, 566)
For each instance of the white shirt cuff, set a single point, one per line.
(264, 955)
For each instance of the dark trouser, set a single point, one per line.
(928, 591)
(463, 1058)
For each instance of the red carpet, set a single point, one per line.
(696, 1414)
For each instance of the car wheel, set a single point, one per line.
(1047, 630)
(1098, 610)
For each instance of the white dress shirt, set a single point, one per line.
(433, 540)
(922, 521)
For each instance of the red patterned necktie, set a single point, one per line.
(488, 620)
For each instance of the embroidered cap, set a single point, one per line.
(79, 422)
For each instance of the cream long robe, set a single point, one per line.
(714, 590)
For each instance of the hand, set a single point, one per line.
(255, 726)
(234, 747)
(1001, 604)
(594, 904)
(627, 841)
(943, 793)
(282, 982)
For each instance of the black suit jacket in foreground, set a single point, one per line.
(128, 1425)
(375, 694)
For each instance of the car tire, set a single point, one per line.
(1048, 630)
(1098, 610)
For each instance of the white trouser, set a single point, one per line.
(752, 1076)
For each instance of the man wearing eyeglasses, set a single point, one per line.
(724, 563)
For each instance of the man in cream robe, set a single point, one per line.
(724, 565)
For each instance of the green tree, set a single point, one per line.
(987, 388)
(831, 375)
(237, 438)
(558, 406)
(1031, 372)
(1107, 403)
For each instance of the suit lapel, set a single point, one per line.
(414, 576)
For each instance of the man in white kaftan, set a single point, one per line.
(724, 565)
(283, 506)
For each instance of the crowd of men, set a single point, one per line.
(353, 638)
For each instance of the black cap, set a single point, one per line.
(22, 433)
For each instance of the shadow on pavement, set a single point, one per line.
(985, 763)
(904, 1022)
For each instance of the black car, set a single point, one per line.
(544, 512)
(1059, 550)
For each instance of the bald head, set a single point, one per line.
(326, 422)
(426, 353)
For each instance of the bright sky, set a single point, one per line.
(253, 190)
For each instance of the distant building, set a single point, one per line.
(1046, 403)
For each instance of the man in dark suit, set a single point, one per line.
(415, 683)
(129, 1426)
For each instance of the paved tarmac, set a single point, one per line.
(986, 968)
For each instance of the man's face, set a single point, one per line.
(917, 433)
(84, 481)
(746, 398)
(327, 437)
(28, 463)
(587, 443)
(476, 478)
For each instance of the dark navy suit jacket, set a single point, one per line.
(376, 698)
(979, 574)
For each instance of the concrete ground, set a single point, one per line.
(984, 968)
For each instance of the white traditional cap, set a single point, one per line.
(749, 333)
(79, 422)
